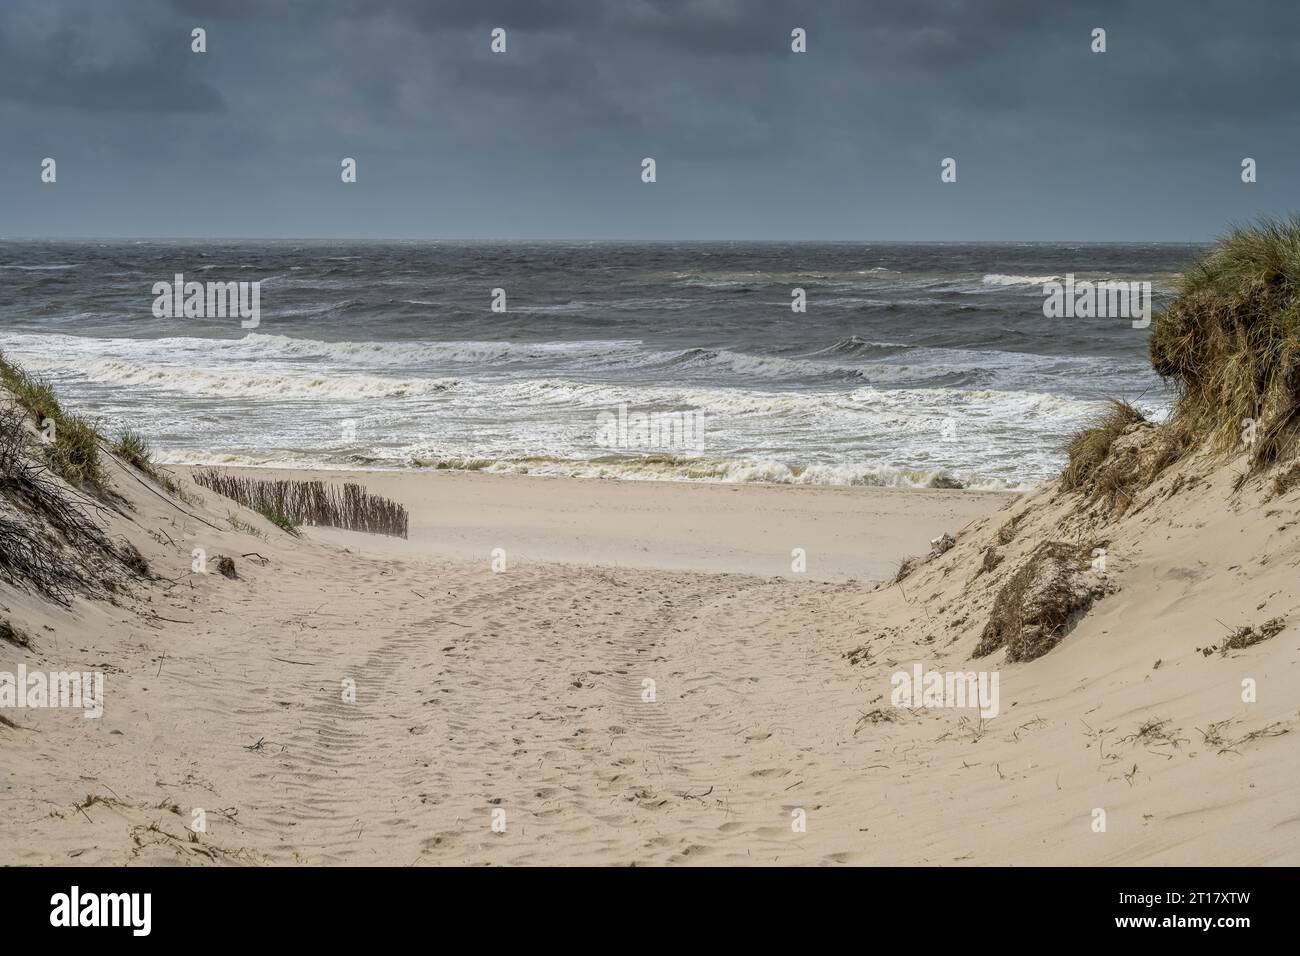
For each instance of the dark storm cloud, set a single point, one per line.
(84, 57)
(844, 141)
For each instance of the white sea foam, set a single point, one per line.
(252, 383)
(647, 468)
(997, 278)
(849, 413)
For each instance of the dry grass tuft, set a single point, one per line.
(1089, 448)
(905, 568)
(1287, 480)
(1007, 533)
(1214, 737)
(1246, 636)
(1035, 609)
(1155, 733)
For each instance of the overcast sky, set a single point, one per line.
(751, 141)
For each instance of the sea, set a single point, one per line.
(909, 365)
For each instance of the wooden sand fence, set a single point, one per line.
(348, 506)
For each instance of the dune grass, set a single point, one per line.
(33, 394)
(272, 513)
(48, 541)
(73, 453)
(1230, 343)
(133, 448)
(1089, 448)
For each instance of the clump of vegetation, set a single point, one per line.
(1155, 732)
(272, 513)
(860, 653)
(1007, 533)
(73, 451)
(47, 541)
(1230, 342)
(905, 567)
(133, 448)
(1246, 636)
(1089, 448)
(1214, 735)
(1284, 482)
(33, 394)
(291, 504)
(1120, 454)
(13, 635)
(1034, 610)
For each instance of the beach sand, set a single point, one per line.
(845, 533)
(506, 717)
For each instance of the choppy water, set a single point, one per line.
(911, 361)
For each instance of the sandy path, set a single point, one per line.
(537, 711)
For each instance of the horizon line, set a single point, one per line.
(929, 242)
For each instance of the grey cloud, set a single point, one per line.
(84, 57)
(550, 135)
